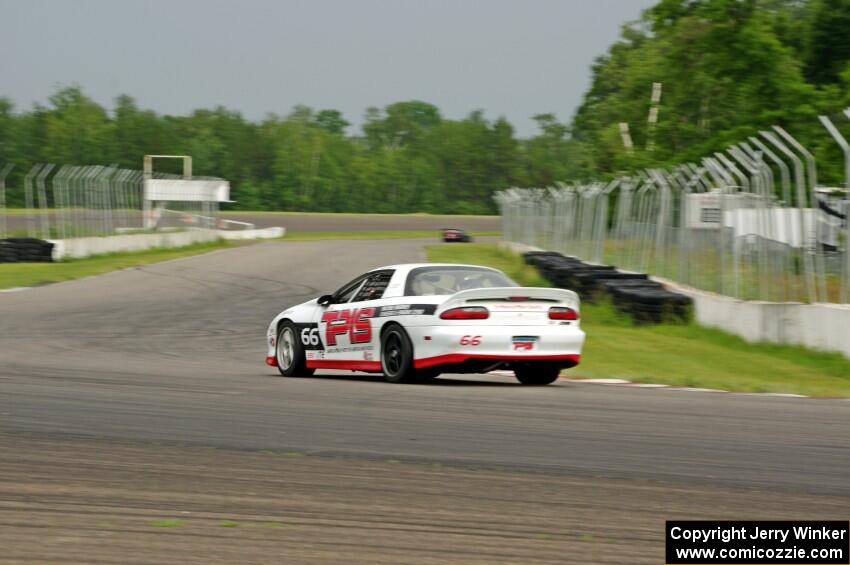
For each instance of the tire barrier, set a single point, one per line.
(25, 250)
(633, 294)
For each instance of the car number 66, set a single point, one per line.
(310, 336)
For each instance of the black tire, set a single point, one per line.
(290, 358)
(537, 375)
(397, 355)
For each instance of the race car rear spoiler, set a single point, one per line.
(515, 294)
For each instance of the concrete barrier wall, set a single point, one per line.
(818, 326)
(825, 327)
(76, 248)
(87, 246)
(264, 233)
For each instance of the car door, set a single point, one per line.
(333, 321)
(347, 326)
(365, 334)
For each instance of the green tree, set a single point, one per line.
(725, 74)
(828, 47)
(331, 121)
(7, 132)
(77, 129)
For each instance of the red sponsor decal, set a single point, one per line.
(337, 324)
(523, 345)
(356, 323)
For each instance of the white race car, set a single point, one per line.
(416, 321)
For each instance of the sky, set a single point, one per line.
(512, 58)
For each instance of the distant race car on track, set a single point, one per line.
(456, 235)
(416, 321)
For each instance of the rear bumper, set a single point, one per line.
(472, 363)
(472, 348)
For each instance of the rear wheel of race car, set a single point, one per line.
(397, 355)
(537, 375)
(290, 353)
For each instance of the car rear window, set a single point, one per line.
(429, 281)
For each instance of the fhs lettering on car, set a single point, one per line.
(356, 323)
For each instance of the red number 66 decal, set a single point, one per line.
(470, 340)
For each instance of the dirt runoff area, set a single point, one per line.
(96, 501)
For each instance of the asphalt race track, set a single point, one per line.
(109, 382)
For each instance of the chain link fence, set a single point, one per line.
(68, 202)
(750, 222)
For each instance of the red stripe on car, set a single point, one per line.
(453, 358)
(343, 364)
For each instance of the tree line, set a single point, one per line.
(728, 68)
(406, 158)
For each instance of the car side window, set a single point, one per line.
(374, 286)
(345, 293)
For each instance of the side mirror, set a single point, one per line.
(325, 300)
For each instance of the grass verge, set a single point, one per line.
(675, 354)
(389, 234)
(30, 274)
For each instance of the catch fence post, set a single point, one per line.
(800, 183)
(812, 184)
(601, 236)
(59, 201)
(7, 168)
(726, 184)
(29, 201)
(790, 292)
(42, 200)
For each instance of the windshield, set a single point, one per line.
(428, 281)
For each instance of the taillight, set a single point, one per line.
(466, 313)
(562, 313)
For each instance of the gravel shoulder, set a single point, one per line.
(66, 500)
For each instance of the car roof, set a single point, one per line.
(411, 266)
(401, 272)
